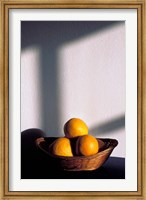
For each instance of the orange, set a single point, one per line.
(61, 147)
(87, 145)
(75, 127)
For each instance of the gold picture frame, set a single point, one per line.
(5, 5)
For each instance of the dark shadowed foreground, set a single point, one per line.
(36, 165)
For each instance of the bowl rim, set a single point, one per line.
(40, 140)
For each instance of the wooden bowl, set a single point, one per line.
(78, 163)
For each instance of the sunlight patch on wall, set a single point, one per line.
(30, 88)
(92, 76)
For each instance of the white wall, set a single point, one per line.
(74, 69)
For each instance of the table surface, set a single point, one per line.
(35, 165)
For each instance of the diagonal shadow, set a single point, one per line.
(108, 126)
(59, 32)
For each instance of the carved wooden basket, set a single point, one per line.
(78, 163)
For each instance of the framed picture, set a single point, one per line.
(72, 74)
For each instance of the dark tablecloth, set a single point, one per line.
(36, 166)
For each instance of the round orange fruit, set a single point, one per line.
(87, 145)
(75, 127)
(61, 147)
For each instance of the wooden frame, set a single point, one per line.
(5, 5)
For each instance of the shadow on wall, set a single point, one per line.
(111, 125)
(49, 36)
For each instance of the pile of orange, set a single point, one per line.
(85, 143)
